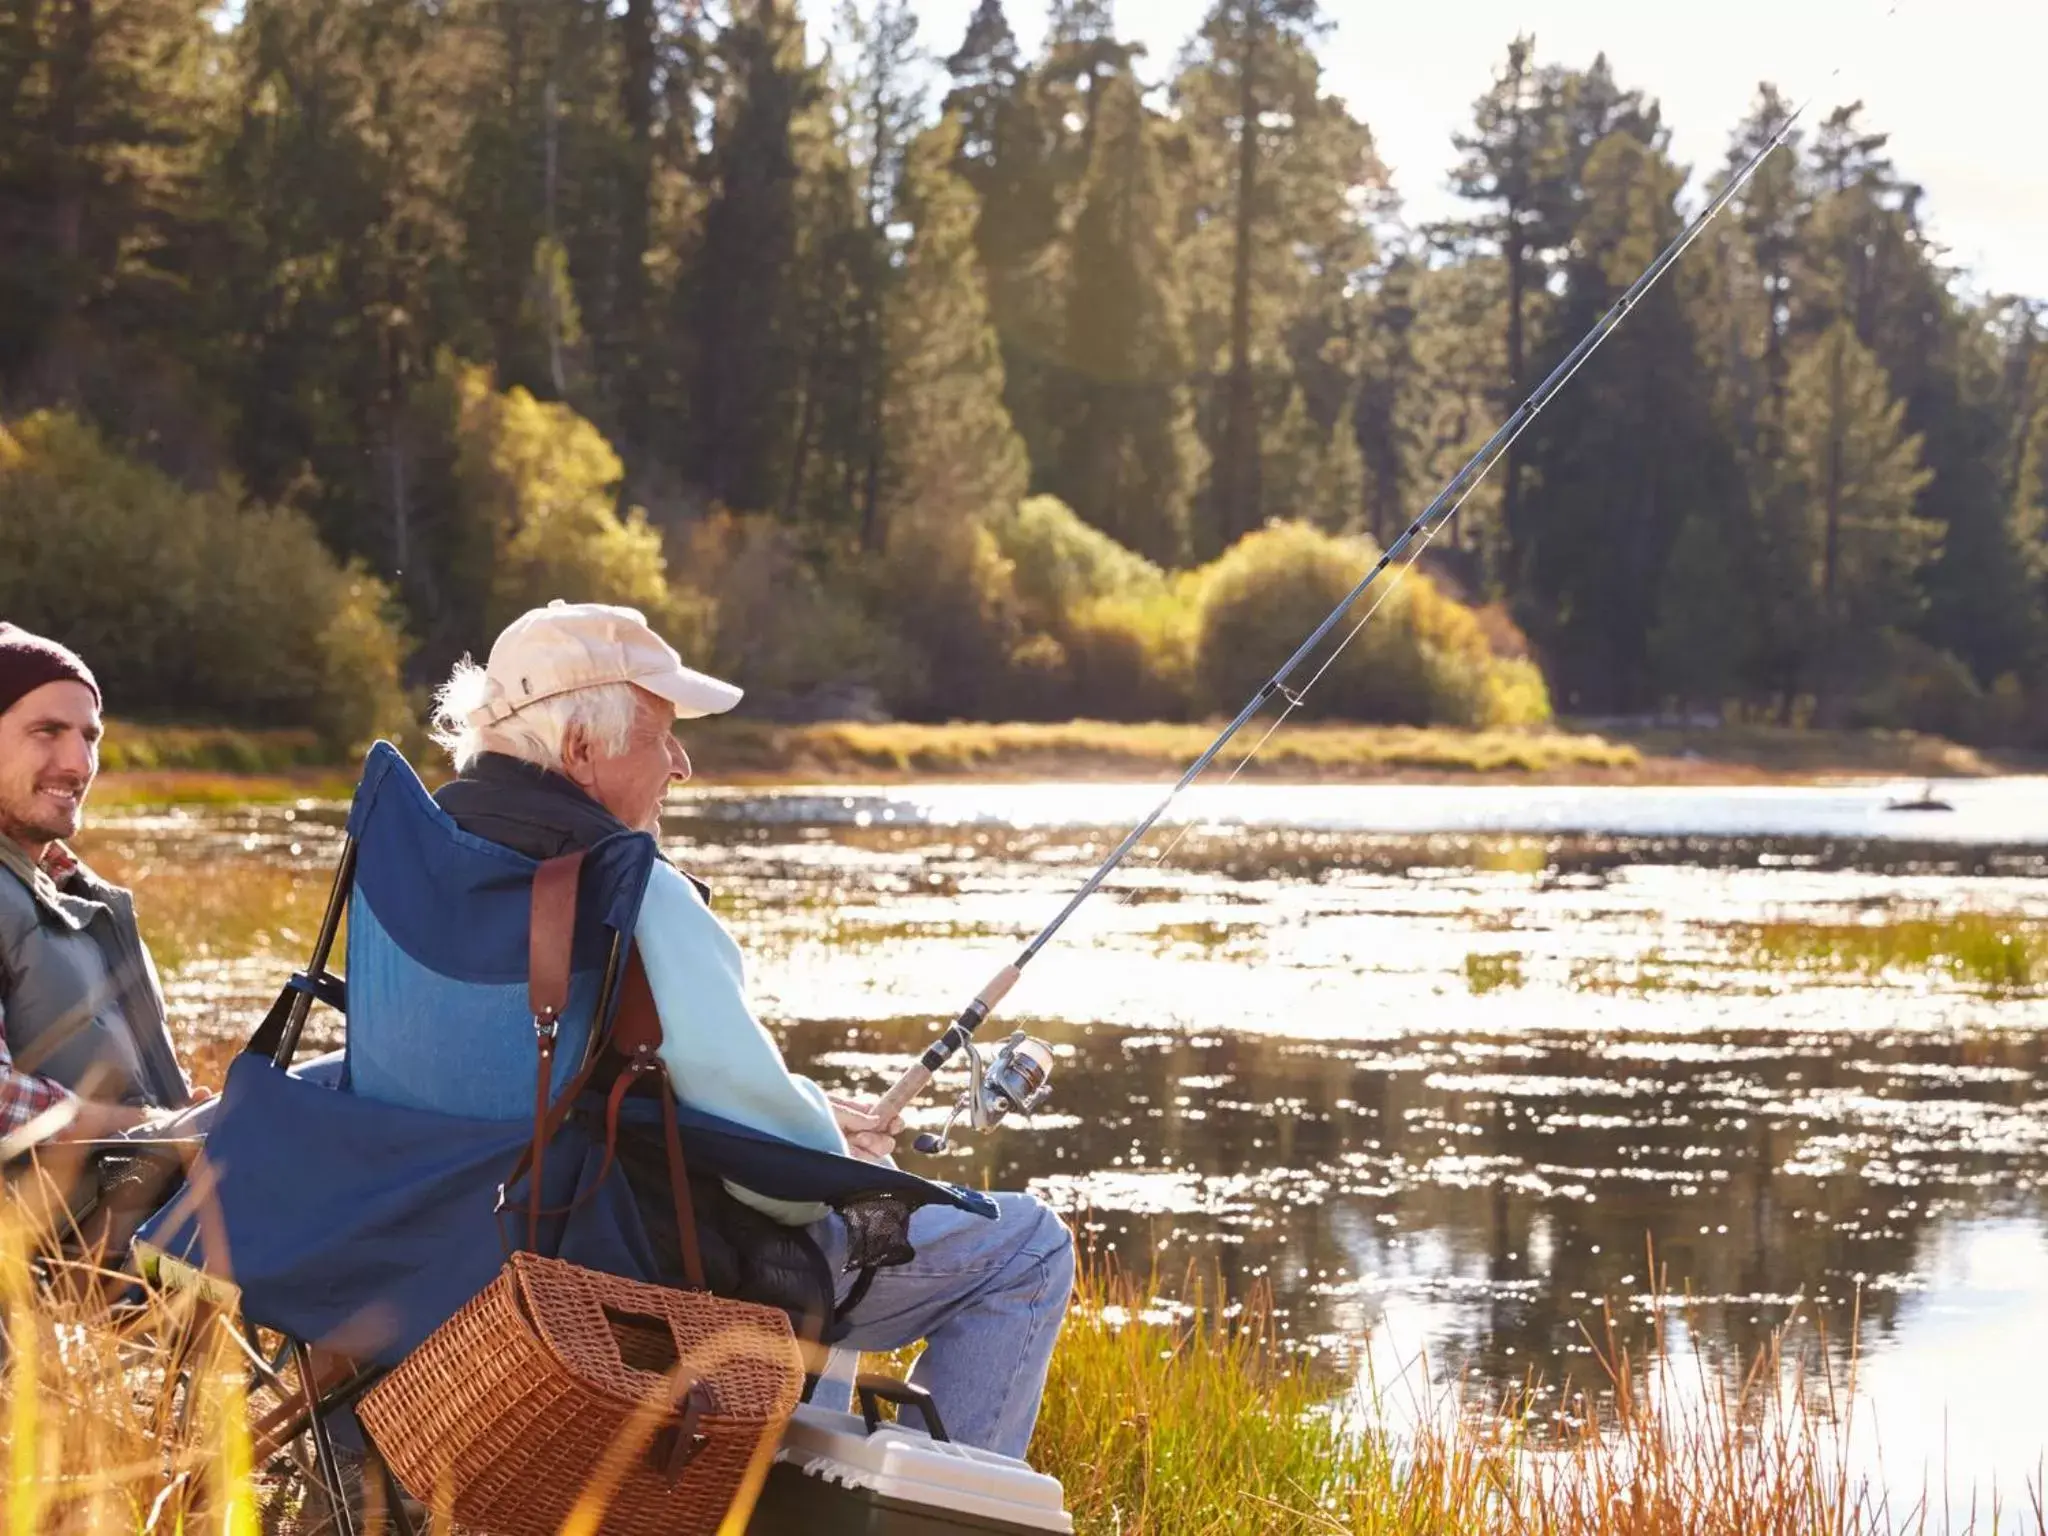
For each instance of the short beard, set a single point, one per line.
(30, 834)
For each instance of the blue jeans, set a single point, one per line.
(987, 1297)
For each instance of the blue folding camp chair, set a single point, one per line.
(354, 1220)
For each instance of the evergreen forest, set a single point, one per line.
(918, 376)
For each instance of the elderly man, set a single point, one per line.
(81, 1014)
(566, 737)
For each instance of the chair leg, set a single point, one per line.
(323, 1442)
(394, 1496)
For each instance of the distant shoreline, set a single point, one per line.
(185, 765)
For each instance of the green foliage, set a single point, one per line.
(1996, 952)
(1129, 459)
(1491, 973)
(187, 601)
(129, 747)
(1060, 564)
(540, 484)
(785, 624)
(953, 462)
(1132, 657)
(949, 593)
(1422, 659)
(1852, 478)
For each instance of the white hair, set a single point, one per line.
(536, 732)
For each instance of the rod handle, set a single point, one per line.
(906, 1088)
(902, 1093)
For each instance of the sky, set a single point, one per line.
(1947, 79)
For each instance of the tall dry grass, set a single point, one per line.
(1193, 1422)
(124, 1413)
(1203, 1425)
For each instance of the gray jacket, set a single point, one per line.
(82, 1002)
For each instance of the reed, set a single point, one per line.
(1490, 972)
(1095, 749)
(1996, 952)
(196, 906)
(131, 747)
(1190, 1421)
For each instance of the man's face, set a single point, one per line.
(49, 756)
(632, 784)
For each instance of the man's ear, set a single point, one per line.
(577, 757)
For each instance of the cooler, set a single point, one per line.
(836, 1474)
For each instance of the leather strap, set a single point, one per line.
(550, 945)
(649, 1068)
(679, 1184)
(635, 1035)
(636, 1027)
(551, 936)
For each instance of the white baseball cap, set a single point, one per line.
(547, 652)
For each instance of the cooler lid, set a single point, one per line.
(907, 1464)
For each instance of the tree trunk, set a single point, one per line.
(634, 324)
(1516, 251)
(1828, 704)
(1240, 477)
(1515, 254)
(70, 65)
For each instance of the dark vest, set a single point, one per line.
(543, 816)
(80, 993)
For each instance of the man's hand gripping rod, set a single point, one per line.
(962, 1030)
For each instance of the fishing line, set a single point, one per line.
(1017, 1077)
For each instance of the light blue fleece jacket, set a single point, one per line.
(719, 1057)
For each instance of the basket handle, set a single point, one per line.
(675, 1446)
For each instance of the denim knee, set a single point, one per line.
(1055, 1241)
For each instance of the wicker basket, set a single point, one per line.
(558, 1381)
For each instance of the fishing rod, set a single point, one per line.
(1018, 1076)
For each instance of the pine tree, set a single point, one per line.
(882, 102)
(340, 263)
(952, 455)
(1083, 57)
(1129, 459)
(1516, 159)
(1009, 153)
(1856, 471)
(1446, 407)
(987, 71)
(742, 288)
(1387, 370)
(103, 113)
(2029, 481)
(953, 460)
(1630, 455)
(1278, 187)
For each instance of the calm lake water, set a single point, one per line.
(1445, 1067)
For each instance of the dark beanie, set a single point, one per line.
(29, 661)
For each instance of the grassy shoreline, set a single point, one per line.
(147, 765)
(1192, 1422)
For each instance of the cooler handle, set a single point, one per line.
(874, 1390)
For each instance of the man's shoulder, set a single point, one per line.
(668, 884)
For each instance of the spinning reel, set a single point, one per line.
(1018, 1076)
